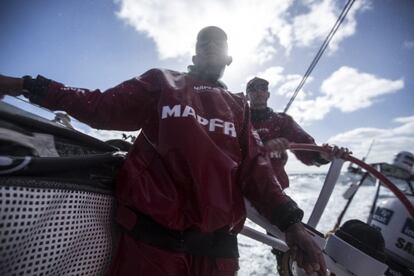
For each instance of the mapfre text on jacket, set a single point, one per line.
(214, 124)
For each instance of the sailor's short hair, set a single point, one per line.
(257, 84)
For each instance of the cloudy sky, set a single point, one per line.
(361, 90)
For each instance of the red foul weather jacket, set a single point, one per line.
(196, 156)
(271, 125)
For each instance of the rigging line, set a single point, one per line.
(369, 150)
(321, 50)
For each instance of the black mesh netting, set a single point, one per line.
(51, 231)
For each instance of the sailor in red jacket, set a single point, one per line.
(180, 191)
(277, 130)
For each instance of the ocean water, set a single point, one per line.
(256, 258)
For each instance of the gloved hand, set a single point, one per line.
(334, 152)
(304, 250)
(277, 144)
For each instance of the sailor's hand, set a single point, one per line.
(277, 144)
(334, 152)
(10, 86)
(304, 250)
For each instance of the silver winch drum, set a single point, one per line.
(397, 227)
(56, 198)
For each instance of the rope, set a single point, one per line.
(320, 52)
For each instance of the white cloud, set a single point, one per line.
(290, 84)
(317, 23)
(387, 142)
(407, 127)
(253, 27)
(404, 119)
(274, 75)
(350, 90)
(280, 83)
(408, 44)
(174, 24)
(311, 26)
(346, 89)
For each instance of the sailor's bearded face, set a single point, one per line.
(212, 49)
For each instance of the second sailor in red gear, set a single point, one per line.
(277, 130)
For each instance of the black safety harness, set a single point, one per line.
(220, 243)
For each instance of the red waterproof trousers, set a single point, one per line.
(152, 261)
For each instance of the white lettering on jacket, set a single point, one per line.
(275, 154)
(68, 88)
(212, 125)
(201, 88)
